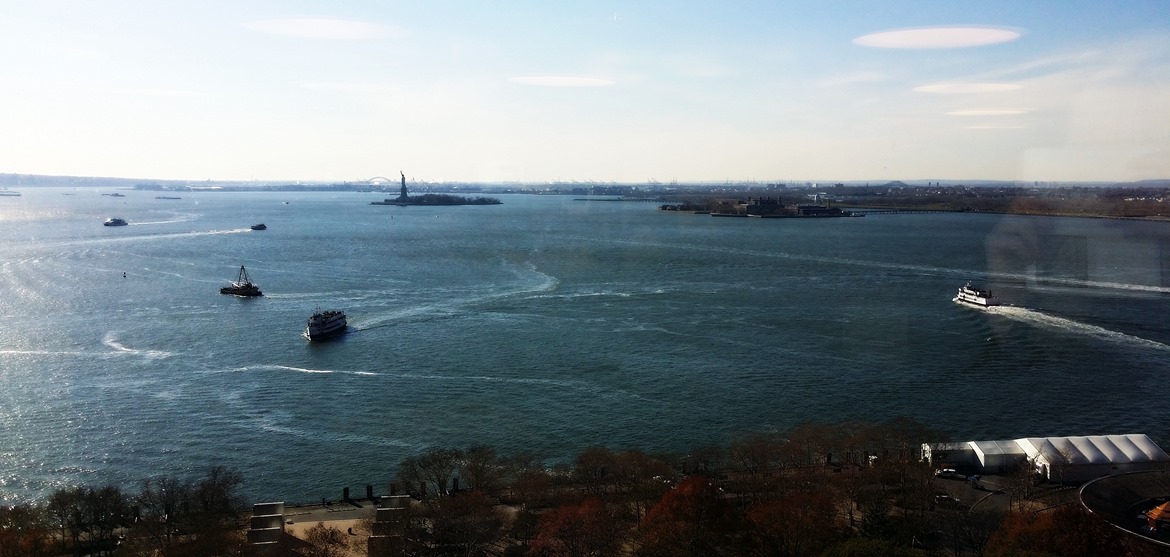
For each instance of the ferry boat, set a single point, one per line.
(113, 221)
(242, 286)
(325, 324)
(975, 296)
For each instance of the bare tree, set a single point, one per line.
(467, 522)
(64, 510)
(1020, 485)
(325, 541)
(481, 469)
(594, 468)
(438, 466)
(163, 506)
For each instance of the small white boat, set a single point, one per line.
(975, 297)
(325, 324)
(113, 221)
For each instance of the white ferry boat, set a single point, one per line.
(325, 324)
(975, 296)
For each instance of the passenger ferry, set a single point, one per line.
(975, 296)
(325, 324)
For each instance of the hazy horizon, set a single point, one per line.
(454, 91)
(7, 179)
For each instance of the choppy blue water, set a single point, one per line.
(544, 324)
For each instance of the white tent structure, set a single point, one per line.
(1076, 459)
(998, 456)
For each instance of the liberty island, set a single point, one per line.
(404, 200)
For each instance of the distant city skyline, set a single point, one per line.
(528, 92)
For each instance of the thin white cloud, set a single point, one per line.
(965, 87)
(987, 112)
(348, 86)
(857, 77)
(81, 53)
(325, 28)
(939, 37)
(561, 80)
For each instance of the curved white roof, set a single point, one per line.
(1095, 449)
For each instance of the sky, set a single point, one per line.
(603, 91)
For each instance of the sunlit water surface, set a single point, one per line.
(545, 324)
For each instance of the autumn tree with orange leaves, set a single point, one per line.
(692, 519)
(1068, 531)
(586, 529)
(800, 523)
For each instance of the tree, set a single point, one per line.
(861, 547)
(435, 467)
(163, 504)
(755, 454)
(64, 510)
(1020, 484)
(852, 483)
(1068, 531)
(691, 519)
(807, 445)
(974, 529)
(103, 511)
(801, 523)
(217, 497)
(467, 521)
(529, 481)
(23, 532)
(214, 515)
(481, 469)
(593, 469)
(585, 529)
(325, 541)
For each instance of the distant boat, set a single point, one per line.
(5, 192)
(115, 194)
(975, 297)
(242, 286)
(260, 226)
(325, 324)
(167, 197)
(114, 221)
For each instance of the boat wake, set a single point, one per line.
(276, 367)
(1049, 321)
(532, 281)
(111, 341)
(1029, 278)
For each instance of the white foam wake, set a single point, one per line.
(1050, 321)
(111, 341)
(277, 367)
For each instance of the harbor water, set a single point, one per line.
(546, 324)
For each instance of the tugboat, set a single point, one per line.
(242, 286)
(325, 324)
(113, 221)
(977, 297)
